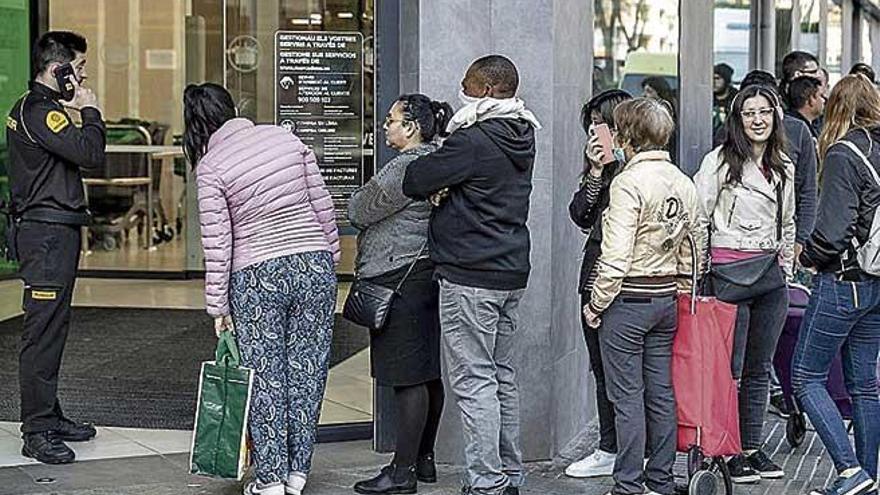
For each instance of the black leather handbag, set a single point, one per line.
(742, 280)
(368, 303)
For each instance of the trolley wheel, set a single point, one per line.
(719, 467)
(703, 483)
(108, 243)
(796, 429)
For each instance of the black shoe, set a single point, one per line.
(44, 447)
(70, 431)
(426, 470)
(511, 490)
(741, 471)
(764, 466)
(779, 407)
(392, 479)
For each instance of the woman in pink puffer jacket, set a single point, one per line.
(270, 241)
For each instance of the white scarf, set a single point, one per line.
(491, 108)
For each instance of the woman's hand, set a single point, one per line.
(593, 320)
(595, 156)
(222, 324)
(439, 196)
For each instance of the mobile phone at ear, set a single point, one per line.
(603, 133)
(63, 75)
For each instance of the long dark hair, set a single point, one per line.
(206, 107)
(604, 104)
(737, 148)
(432, 116)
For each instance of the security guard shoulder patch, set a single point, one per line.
(44, 295)
(11, 123)
(56, 121)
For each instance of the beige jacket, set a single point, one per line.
(743, 216)
(652, 211)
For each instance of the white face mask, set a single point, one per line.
(467, 99)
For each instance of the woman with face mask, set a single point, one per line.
(650, 234)
(405, 353)
(270, 241)
(746, 188)
(585, 210)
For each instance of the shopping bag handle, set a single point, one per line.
(227, 352)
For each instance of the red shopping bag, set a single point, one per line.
(705, 392)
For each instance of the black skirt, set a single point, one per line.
(407, 351)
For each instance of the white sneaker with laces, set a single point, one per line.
(295, 484)
(255, 488)
(599, 463)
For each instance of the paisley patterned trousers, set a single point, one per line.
(283, 310)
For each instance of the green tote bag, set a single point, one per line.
(219, 447)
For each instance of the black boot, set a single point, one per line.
(393, 479)
(426, 470)
(70, 431)
(45, 448)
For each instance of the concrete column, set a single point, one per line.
(550, 41)
(762, 51)
(695, 78)
(874, 26)
(849, 30)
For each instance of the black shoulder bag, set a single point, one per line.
(368, 303)
(745, 279)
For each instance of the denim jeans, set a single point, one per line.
(841, 317)
(759, 324)
(479, 341)
(636, 339)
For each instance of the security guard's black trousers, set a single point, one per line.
(49, 254)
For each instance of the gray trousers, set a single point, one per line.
(636, 341)
(479, 327)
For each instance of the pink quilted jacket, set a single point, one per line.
(261, 196)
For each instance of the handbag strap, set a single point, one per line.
(779, 212)
(411, 266)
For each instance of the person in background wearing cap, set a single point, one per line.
(724, 92)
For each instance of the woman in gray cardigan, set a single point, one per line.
(405, 354)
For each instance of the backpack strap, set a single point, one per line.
(855, 149)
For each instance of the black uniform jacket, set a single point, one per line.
(47, 152)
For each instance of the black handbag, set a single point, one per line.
(745, 279)
(368, 303)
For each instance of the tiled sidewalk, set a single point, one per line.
(337, 467)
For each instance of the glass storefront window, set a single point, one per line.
(14, 75)
(142, 53)
(808, 40)
(730, 53)
(636, 48)
(784, 23)
(834, 51)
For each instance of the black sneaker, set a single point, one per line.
(779, 407)
(764, 466)
(426, 469)
(44, 447)
(70, 431)
(511, 490)
(741, 471)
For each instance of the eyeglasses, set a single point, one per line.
(389, 121)
(752, 115)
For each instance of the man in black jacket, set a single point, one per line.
(479, 241)
(46, 153)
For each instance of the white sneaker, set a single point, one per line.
(295, 484)
(254, 488)
(599, 463)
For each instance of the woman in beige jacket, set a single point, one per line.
(652, 213)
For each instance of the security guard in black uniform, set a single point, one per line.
(47, 151)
